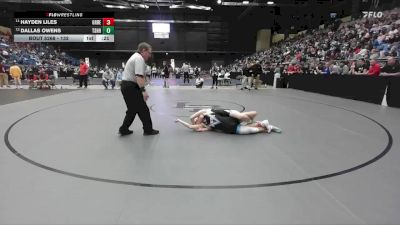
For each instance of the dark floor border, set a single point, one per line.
(376, 158)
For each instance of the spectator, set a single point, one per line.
(362, 53)
(360, 68)
(191, 71)
(199, 82)
(167, 70)
(345, 69)
(83, 73)
(334, 69)
(64, 70)
(214, 74)
(374, 69)
(154, 71)
(305, 69)
(16, 74)
(374, 54)
(108, 77)
(119, 77)
(3, 76)
(197, 71)
(358, 39)
(277, 71)
(246, 78)
(352, 68)
(43, 81)
(56, 73)
(326, 70)
(392, 68)
(33, 81)
(185, 70)
(257, 71)
(148, 72)
(316, 69)
(291, 69)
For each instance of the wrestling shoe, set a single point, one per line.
(272, 128)
(264, 124)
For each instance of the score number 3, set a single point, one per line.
(108, 21)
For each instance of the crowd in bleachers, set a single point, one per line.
(33, 54)
(348, 48)
(39, 63)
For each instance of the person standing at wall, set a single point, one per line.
(257, 71)
(16, 73)
(214, 73)
(65, 71)
(185, 70)
(167, 72)
(245, 75)
(154, 71)
(3, 76)
(119, 77)
(248, 74)
(83, 73)
(197, 72)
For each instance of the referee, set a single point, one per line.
(135, 95)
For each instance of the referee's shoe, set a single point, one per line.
(152, 132)
(125, 132)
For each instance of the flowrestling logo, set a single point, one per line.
(372, 14)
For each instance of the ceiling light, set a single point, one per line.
(270, 2)
(245, 2)
(141, 6)
(219, 1)
(117, 6)
(200, 7)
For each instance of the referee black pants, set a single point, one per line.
(214, 81)
(83, 79)
(185, 76)
(136, 105)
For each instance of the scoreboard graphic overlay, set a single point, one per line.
(63, 27)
